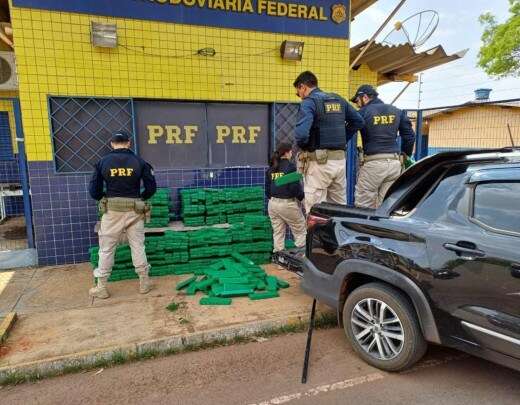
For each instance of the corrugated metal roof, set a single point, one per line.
(398, 62)
(433, 113)
(357, 6)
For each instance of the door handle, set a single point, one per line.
(515, 270)
(461, 250)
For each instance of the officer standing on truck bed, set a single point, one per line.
(325, 123)
(380, 164)
(124, 210)
(284, 201)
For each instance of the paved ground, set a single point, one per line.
(269, 373)
(56, 317)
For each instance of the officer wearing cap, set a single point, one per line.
(325, 123)
(381, 162)
(122, 172)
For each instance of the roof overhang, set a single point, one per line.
(400, 62)
(358, 6)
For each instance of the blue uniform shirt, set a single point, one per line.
(382, 123)
(308, 113)
(122, 172)
(287, 191)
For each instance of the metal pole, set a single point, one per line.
(419, 152)
(510, 135)
(420, 92)
(308, 347)
(400, 93)
(381, 28)
(352, 155)
(22, 162)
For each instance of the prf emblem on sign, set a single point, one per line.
(339, 13)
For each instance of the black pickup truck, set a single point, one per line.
(438, 262)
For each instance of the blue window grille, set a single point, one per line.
(284, 122)
(6, 145)
(81, 129)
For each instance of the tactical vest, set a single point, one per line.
(122, 172)
(381, 127)
(328, 129)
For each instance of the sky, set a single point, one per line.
(458, 29)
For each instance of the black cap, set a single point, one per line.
(120, 137)
(363, 90)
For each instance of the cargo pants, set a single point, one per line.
(326, 182)
(282, 213)
(113, 224)
(375, 178)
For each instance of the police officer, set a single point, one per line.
(381, 164)
(122, 172)
(284, 208)
(325, 124)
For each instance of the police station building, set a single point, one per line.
(204, 87)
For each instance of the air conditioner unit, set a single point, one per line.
(8, 77)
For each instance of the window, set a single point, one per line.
(497, 206)
(6, 146)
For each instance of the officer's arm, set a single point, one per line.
(354, 121)
(304, 121)
(407, 134)
(95, 187)
(295, 188)
(268, 184)
(150, 186)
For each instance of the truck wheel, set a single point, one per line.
(382, 327)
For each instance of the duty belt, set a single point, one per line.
(381, 156)
(121, 204)
(331, 155)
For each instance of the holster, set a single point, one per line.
(322, 156)
(302, 162)
(102, 206)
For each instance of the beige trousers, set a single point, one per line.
(374, 180)
(113, 224)
(283, 213)
(326, 182)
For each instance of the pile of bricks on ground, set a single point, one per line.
(185, 252)
(220, 205)
(236, 276)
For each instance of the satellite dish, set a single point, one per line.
(414, 30)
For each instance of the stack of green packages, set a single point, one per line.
(210, 243)
(213, 206)
(161, 205)
(237, 276)
(193, 207)
(164, 252)
(123, 268)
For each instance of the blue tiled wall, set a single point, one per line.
(64, 214)
(9, 173)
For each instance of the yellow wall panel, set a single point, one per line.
(157, 60)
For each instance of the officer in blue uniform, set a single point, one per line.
(123, 207)
(381, 162)
(284, 200)
(325, 123)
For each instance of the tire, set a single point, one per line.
(393, 346)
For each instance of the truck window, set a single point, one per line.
(496, 206)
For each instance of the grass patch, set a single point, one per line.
(322, 321)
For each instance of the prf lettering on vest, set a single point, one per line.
(275, 176)
(121, 172)
(239, 134)
(332, 107)
(174, 133)
(384, 119)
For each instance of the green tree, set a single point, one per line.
(499, 54)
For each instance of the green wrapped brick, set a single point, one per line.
(282, 283)
(185, 283)
(215, 301)
(263, 295)
(293, 177)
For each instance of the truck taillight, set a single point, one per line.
(313, 220)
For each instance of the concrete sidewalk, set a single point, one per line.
(58, 327)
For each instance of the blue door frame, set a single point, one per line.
(24, 173)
